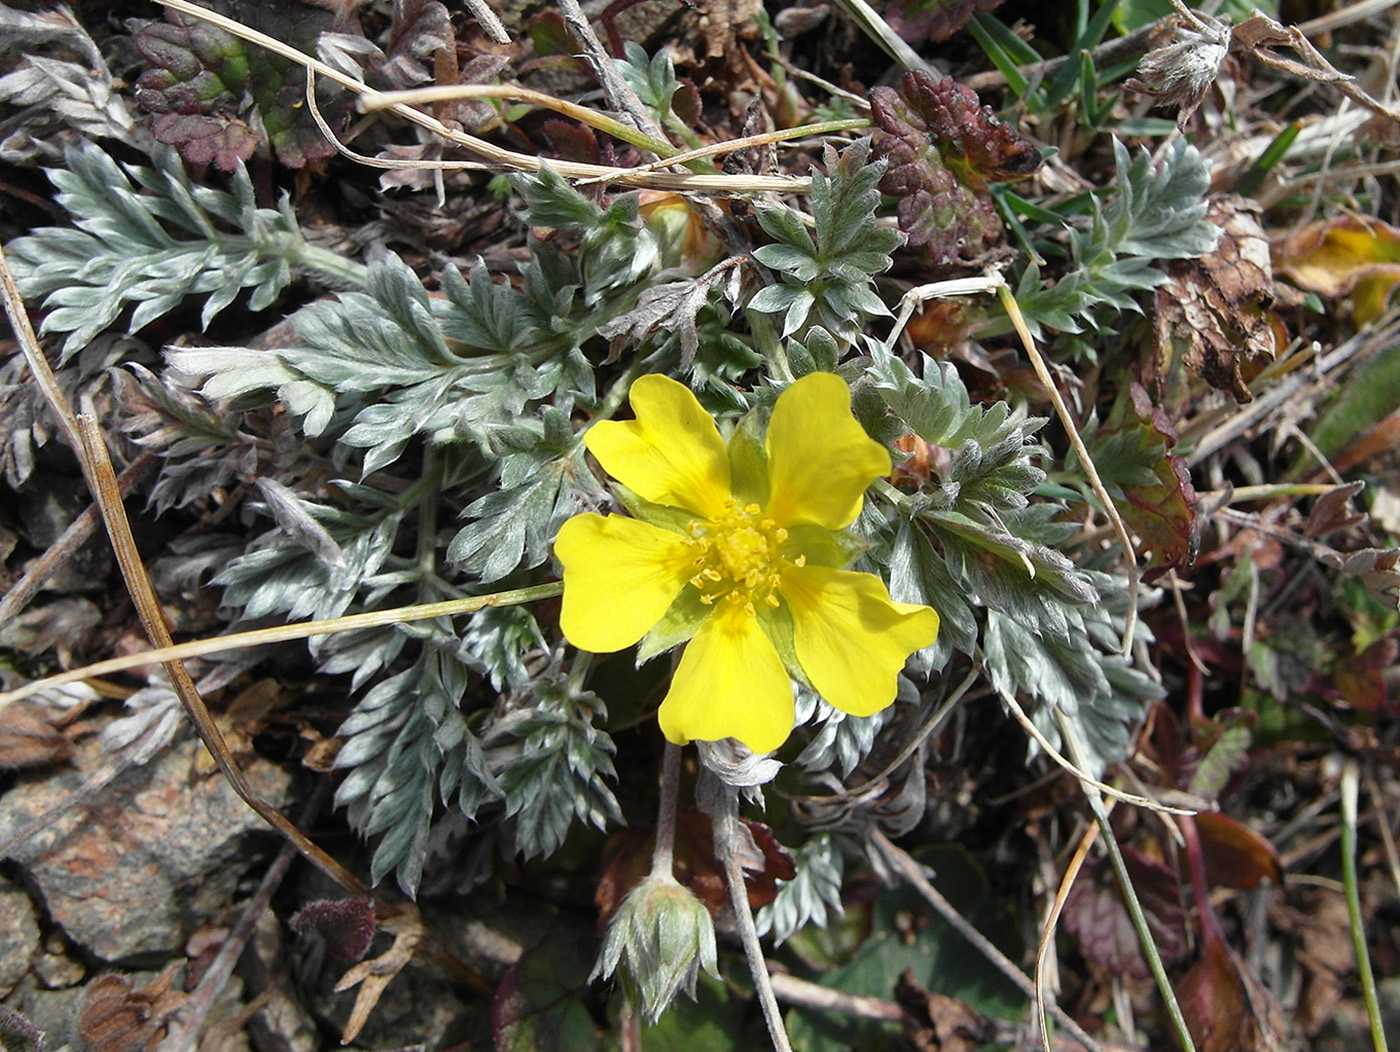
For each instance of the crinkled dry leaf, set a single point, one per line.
(935, 1023)
(28, 738)
(1345, 255)
(1332, 511)
(112, 1017)
(943, 147)
(422, 29)
(373, 976)
(1216, 307)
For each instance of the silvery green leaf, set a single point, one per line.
(827, 273)
(121, 256)
(558, 767)
(812, 897)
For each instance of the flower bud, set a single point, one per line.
(656, 943)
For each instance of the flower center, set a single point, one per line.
(738, 556)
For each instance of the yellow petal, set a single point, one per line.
(730, 684)
(620, 575)
(820, 460)
(851, 639)
(671, 454)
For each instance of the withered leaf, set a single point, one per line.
(1332, 511)
(373, 976)
(28, 738)
(943, 147)
(1345, 255)
(935, 1023)
(112, 1017)
(421, 29)
(1215, 308)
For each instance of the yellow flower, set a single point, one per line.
(738, 549)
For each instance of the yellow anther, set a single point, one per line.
(739, 556)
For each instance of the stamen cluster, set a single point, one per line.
(739, 556)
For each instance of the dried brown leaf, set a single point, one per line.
(1332, 511)
(373, 976)
(112, 1017)
(935, 1023)
(28, 738)
(1215, 308)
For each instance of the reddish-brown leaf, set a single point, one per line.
(1162, 513)
(943, 147)
(629, 860)
(1095, 915)
(347, 925)
(1226, 1009)
(1235, 855)
(918, 20)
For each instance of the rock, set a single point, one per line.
(19, 935)
(55, 966)
(130, 870)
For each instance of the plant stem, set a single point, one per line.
(663, 853)
(904, 864)
(332, 264)
(1146, 942)
(725, 815)
(1351, 776)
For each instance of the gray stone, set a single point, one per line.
(19, 935)
(130, 870)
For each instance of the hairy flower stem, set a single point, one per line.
(324, 261)
(663, 853)
(725, 816)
